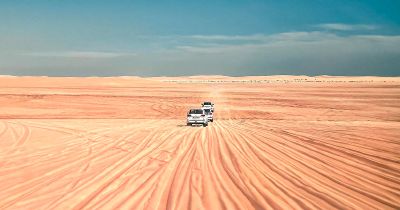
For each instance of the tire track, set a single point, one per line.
(126, 164)
(42, 181)
(101, 201)
(325, 169)
(5, 128)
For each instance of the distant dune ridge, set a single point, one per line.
(277, 142)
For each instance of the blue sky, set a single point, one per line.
(105, 38)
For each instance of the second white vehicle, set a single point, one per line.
(209, 114)
(197, 116)
(208, 105)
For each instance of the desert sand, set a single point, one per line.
(279, 142)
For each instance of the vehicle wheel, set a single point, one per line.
(188, 124)
(212, 120)
(205, 124)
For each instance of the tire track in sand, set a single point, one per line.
(41, 182)
(333, 178)
(124, 165)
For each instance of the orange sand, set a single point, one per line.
(281, 142)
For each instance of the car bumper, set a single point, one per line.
(196, 121)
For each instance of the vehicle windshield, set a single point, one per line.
(207, 103)
(207, 111)
(196, 111)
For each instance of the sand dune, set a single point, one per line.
(123, 143)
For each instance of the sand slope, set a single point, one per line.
(276, 143)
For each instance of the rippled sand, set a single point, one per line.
(280, 142)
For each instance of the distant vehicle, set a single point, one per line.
(209, 114)
(209, 105)
(197, 116)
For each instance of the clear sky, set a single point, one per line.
(156, 38)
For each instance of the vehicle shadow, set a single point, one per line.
(194, 125)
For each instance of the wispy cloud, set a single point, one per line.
(80, 54)
(287, 36)
(255, 37)
(289, 40)
(247, 41)
(346, 27)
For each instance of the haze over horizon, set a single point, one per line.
(171, 38)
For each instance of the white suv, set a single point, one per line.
(209, 114)
(208, 105)
(197, 116)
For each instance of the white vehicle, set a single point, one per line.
(208, 105)
(209, 114)
(197, 116)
